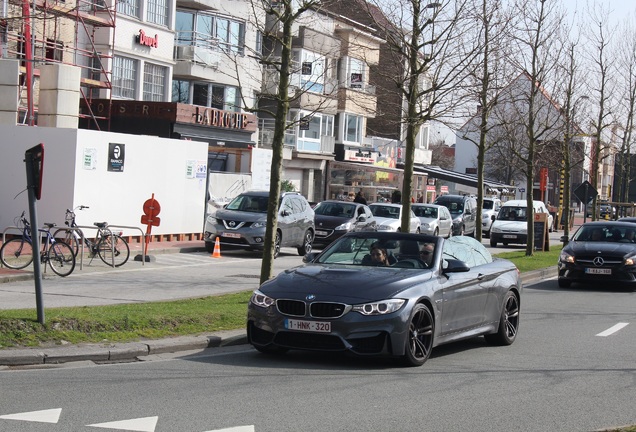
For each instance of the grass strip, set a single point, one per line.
(134, 322)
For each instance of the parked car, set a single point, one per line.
(463, 209)
(389, 217)
(511, 226)
(334, 218)
(334, 302)
(241, 223)
(605, 210)
(435, 219)
(489, 209)
(599, 252)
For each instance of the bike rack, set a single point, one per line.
(143, 240)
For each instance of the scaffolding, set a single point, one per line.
(45, 32)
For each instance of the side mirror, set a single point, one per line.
(454, 266)
(493, 217)
(564, 239)
(310, 257)
(284, 213)
(362, 218)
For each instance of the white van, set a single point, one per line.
(510, 225)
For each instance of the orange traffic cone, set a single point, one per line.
(217, 249)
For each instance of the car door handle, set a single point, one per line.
(480, 276)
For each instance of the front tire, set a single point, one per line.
(120, 247)
(307, 241)
(277, 241)
(493, 242)
(419, 342)
(508, 322)
(61, 258)
(16, 254)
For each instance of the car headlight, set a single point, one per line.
(385, 228)
(261, 300)
(495, 228)
(344, 227)
(566, 258)
(426, 226)
(379, 308)
(630, 261)
(259, 224)
(485, 217)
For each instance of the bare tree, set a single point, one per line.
(534, 32)
(602, 88)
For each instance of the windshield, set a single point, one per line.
(488, 205)
(425, 212)
(512, 213)
(384, 211)
(454, 207)
(335, 209)
(602, 233)
(248, 203)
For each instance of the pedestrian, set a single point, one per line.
(360, 198)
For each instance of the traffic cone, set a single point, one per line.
(217, 249)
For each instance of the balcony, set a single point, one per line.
(362, 101)
(197, 54)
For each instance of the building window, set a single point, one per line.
(128, 7)
(422, 137)
(311, 127)
(157, 12)
(154, 82)
(210, 31)
(54, 49)
(355, 73)
(312, 71)
(124, 77)
(217, 96)
(181, 91)
(353, 128)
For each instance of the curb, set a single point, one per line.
(117, 352)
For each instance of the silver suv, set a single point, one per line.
(242, 222)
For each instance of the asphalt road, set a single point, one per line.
(561, 374)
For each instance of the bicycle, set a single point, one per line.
(17, 253)
(111, 248)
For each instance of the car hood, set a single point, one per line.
(323, 221)
(430, 221)
(340, 283)
(511, 225)
(387, 221)
(239, 216)
(593, 248)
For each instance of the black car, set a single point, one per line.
(599, 252)
(351, 298)
(334, 218)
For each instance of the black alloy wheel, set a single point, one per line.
(277, 241)
(419, 343)
(508, 323)
(307, 241)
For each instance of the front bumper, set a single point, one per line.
(613, 273)
(508, 238)
(352, 332)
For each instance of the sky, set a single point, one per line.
(619, 9)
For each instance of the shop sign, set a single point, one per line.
(220, 118)
(143, 39)
(444, 189)
(357, 156)
(116, 156)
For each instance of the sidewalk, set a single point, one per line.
(154, 248)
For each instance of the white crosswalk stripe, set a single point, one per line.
(179, 259)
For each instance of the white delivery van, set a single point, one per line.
(511, 223)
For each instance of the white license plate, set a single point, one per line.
(321, 233)
(598, 271)
(231, 235)
(309, 326)
(510, 236)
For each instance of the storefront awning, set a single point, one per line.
(461, 178)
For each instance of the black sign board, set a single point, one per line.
(116, 156)
(303, 123)
(306, 68)
(34, 158)
(539, 235)
(585, 192)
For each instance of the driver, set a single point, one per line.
(426, 254)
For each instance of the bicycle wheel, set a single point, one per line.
(16, 254)
(116, 243)
(61, 259)
(68, 237)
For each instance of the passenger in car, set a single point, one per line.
(378, 256)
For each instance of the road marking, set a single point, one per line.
(612, 329)
(145, 424)
(235, 429)
(44, 416)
